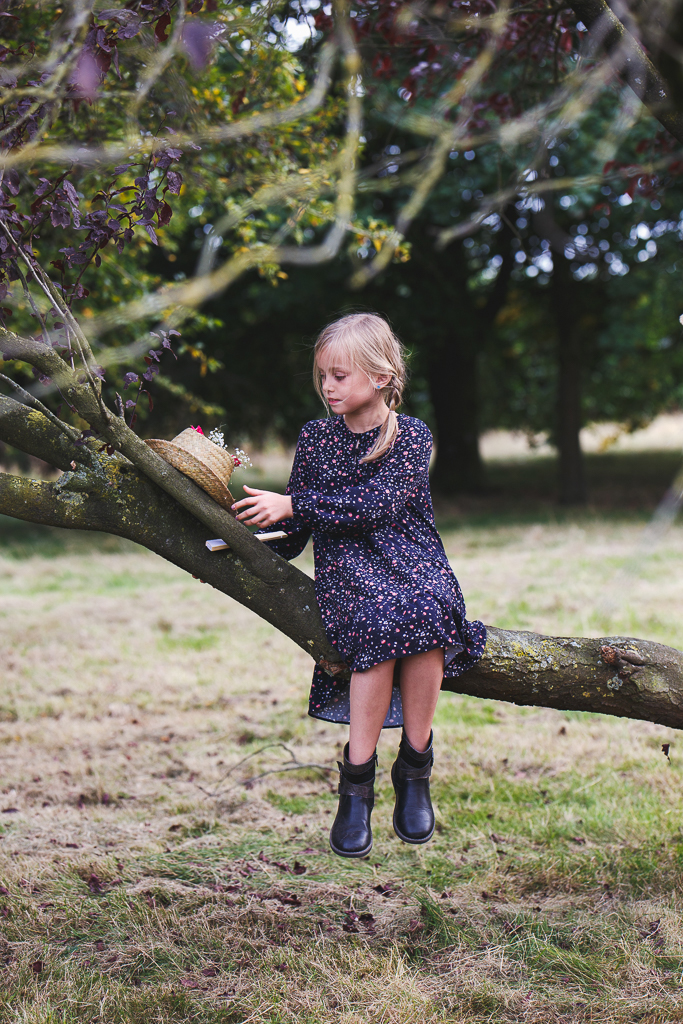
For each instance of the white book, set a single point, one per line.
(220, 545)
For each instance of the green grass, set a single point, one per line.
(161, 865)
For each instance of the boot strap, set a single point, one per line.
(364, 789)
(406, 771)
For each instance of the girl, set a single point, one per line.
(389, 600)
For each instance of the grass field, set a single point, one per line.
(163, 857)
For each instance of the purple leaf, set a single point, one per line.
(122, 167)
(197, 40)
(171, 131)
(86, 76)
(175, 181)
(60, 216)
(13, 181)
(130, 30)
(130, 404)
(154, 354)
(152, 233)
(175, 154)
(151, 372)
(98, 371)
(72, 194)
(130, 378)
(165, 213)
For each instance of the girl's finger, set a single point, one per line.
(244, 501)
(252, 490)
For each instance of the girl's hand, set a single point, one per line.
(263, 508)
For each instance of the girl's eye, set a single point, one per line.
(340, 376)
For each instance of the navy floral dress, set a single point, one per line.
(382, 578)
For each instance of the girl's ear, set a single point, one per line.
(381, 382)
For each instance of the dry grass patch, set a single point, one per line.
(157, 864)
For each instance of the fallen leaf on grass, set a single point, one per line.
(4, 891)
(385, 890)
(189, 983)
(299, 869)
(95, 883)
(578, 839)
(10, 810)
(289, 899)
(38, 967)
(210, 972)
(415, 926)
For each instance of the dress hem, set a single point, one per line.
(335, 721)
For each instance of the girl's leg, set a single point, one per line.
(351, 835)
(370, 697)
(421, 676)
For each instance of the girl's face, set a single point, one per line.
(348, 389)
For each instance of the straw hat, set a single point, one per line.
(203, 461)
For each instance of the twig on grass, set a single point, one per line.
(294, 766)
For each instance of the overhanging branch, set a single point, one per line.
(631, 62)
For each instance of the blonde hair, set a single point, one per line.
(366, 341)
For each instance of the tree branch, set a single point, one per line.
(630, 60)
(614, 676)
(115, 498)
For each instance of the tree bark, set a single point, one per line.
(572, 484)
(632, 63)
(454, 389)
(615, 675)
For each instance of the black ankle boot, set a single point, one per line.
(413, 814)
(351, 835)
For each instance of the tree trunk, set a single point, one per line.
(454, 388)
(572, 485)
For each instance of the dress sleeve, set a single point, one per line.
(297, 530)
(377, 503)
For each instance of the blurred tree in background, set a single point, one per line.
(503, 183)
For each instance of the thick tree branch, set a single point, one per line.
(117, 499)
(631, 62)
(615, 675)
(257, 559)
